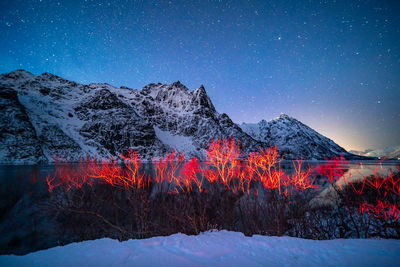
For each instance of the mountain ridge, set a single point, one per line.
(294, 138)
(70, 120)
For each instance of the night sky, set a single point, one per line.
(334, 65)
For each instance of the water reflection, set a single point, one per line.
(31, 178)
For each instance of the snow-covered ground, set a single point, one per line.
(221, 248)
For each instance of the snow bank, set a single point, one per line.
(179, 142)
(222, 248)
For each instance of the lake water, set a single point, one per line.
(25, 178)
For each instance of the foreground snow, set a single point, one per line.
(221, 248)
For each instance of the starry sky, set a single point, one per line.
(334, 65)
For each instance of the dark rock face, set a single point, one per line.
(57, 144)
(115, 126)
(18, 140)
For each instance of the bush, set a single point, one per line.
(119, 199)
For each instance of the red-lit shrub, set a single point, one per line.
(166, 169)
(223, 157)
(252, 195)
(302, 178)
(333, 169)
(190, 175)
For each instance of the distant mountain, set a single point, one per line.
(45, 117)
(388, 152)
(294, 139)
(360, 153)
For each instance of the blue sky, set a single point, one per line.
(334, 65)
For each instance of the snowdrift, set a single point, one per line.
(220, 248)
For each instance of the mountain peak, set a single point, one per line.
(19, 74)
(262, 121)
(201, 90)
(294, 139)
(178, 84)
(50, 76)
(201, 98)
(21, 71)
(284, 116)
(107, 112)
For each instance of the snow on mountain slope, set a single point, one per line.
(360, 153)
(395, 154)
(69, 120)
(175, 109)
(178, 142)
(388, 152)
(294, 139)
(19, 143)
(72, 120)
(216, 248)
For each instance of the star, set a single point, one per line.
(230, 47)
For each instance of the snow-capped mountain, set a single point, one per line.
(184, 119)
(360, 153)
(67, 120)
(392, 152)
(294, 139)
(45, 117)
